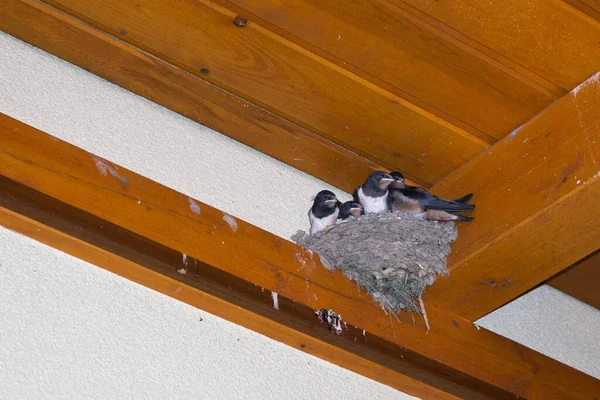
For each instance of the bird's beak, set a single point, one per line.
(399, 184)
(387, 179)
(356, 209)
(330, 202)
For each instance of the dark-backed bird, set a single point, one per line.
(324, 211)
(400, 183)
(373, 194)
(350, 208)
(417, 200)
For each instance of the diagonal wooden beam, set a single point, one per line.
(172, 87)
(537, 197)
(137, 228)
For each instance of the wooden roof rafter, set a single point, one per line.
(123, 222)
(537, 196)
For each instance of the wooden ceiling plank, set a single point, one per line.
(589, 7)
(276, 74)
(581, 281)
(140, 229)
(548, 37)
(183, 93)
(397, 50)
(537, 205)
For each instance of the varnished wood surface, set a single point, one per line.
(422, 87)
(548, 37)
(581, 281)
(589, 7)
(165, 84)
(396, 49)
(104, 212)
(278, 75)
(537, 194)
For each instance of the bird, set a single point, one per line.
(324, 211)
(400, 183)
(373, 194)
(417, 200)
(350, 208)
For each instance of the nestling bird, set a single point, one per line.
(324, 211)
(417, 200)
(400, 183)
(350, 208)
(373, 194)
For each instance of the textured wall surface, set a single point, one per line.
(80, 331)
(70, 330)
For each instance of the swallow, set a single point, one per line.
(350, 208)
(373, 194)
(324, 211)
(417, 200)
(400, 183)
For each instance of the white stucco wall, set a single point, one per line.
(62, 325)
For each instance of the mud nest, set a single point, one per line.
(393, 256)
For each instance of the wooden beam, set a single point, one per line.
(562, 46)
(432, 63)
(269, 71)
(537, 197)
(581, 281)
(176, 89)
(140, 229)
(589, 7)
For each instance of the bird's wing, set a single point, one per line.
(431, 202)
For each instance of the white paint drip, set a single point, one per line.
(477, 326)
(305, 262)
(182, 271)
(104, 167)
(101, 165)
(194, 206)
(184, 259)
(275, 298)
(231, 221)
(364, 333)
(593, 79)
(514, 133)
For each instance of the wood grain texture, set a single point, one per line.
(171, 87)
(284, 78)
(548, 37)
(140, 229)
(394, 49)
(589, 7)
(581, 281)
(537, 202)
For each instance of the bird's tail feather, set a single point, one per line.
(464, 199)
(445, 205)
